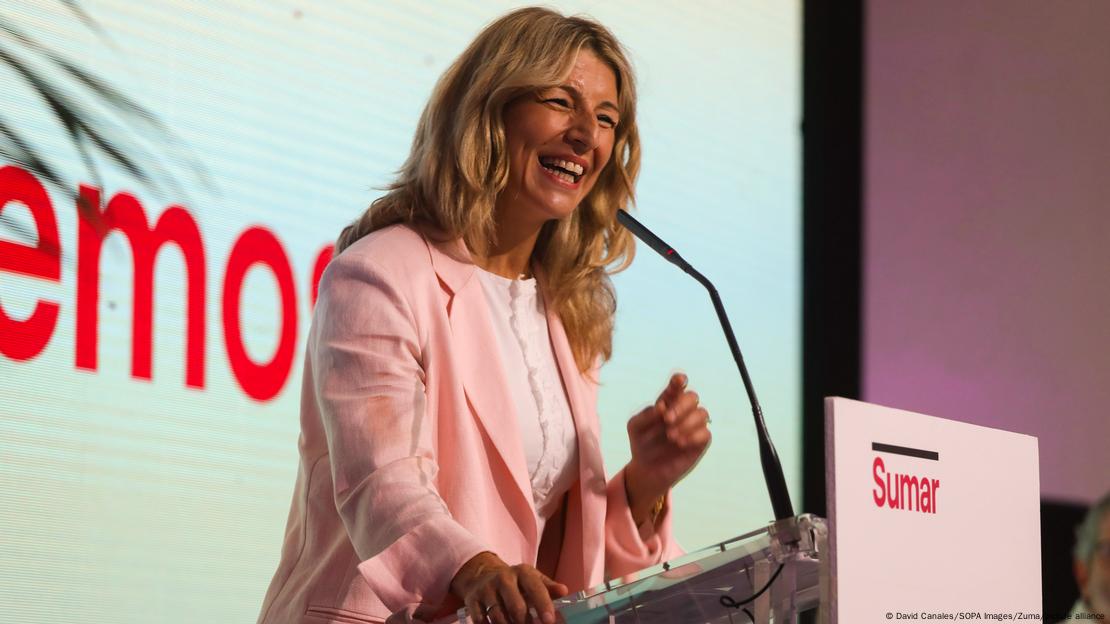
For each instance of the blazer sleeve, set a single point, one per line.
(628, 547)
(369, 389)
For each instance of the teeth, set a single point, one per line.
(574, 168)
(562, 175)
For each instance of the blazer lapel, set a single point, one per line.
(591, 471)
(476, 352)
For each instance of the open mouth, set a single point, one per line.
(565, 170)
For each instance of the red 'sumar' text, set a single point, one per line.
(899, 491)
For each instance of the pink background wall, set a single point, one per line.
(987, 223)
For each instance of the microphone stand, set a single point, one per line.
(768, 457)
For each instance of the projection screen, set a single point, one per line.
(172, 176)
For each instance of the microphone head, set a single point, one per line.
(623, 217)
(651, 240)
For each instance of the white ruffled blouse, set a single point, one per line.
(546, 424)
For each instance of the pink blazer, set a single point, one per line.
(411, 457)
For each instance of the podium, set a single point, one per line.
(771, 574)
(768, 575)
(929, 519)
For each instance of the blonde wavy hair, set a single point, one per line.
(458, 165)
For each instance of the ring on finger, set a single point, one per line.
(489, 609)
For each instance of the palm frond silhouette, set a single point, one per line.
(62, 91)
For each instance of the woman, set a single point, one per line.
(449, 447)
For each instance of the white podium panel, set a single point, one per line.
(931, 519)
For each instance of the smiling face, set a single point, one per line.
(559, 140)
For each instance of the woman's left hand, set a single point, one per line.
(667, 441)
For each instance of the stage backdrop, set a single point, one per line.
(986, 224)
(172, 177)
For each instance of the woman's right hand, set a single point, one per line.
(486, 580)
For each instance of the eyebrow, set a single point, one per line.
(577, 93)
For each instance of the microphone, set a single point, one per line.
(768, 457)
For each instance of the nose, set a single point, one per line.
(582, 135)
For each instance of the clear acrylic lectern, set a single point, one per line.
(769, 575)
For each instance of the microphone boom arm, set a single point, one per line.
(768, 457)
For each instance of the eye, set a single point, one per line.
(607, 121)
(558, 102)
